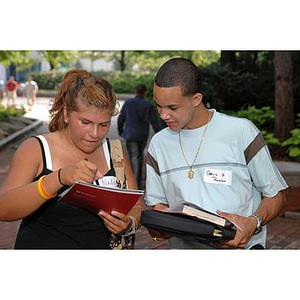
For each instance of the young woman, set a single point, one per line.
(76, 149)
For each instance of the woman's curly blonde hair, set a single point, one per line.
(86, 88)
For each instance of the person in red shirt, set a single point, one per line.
(11, 87)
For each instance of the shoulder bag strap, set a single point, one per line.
(118, 162)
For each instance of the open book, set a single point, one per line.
(94, 198)
(196, 211)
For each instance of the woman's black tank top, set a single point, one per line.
(56, 225)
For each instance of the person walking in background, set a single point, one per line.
(11, 87)
(133, 125)
(30, 90)
(1, 89)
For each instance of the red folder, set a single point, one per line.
(94, 198)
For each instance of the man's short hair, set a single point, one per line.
(180, 72)
(140, 89)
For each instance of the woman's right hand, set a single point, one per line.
(83, 171)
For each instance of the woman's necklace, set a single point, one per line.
(191, 172)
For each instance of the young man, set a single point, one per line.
(215, 161)
(133, 124)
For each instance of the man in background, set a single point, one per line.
(30, 90)
(11, 87)
(1, 90)
(133, 125)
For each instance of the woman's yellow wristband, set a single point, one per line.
(41, 190)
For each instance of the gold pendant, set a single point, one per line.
(190, 174)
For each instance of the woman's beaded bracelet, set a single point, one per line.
(41, 190)
(135, 222)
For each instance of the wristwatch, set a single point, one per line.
(260, 223)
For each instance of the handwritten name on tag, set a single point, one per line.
(218, 176)
(108, 181)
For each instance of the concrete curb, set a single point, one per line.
(290, 172)
(292, 215)
(18, 133)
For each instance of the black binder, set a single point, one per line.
(185, 226)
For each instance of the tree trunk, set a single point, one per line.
(122, 61)
(284, 98)
(228, 59)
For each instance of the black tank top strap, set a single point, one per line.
(43, 152)
(109, 150)
(44, 171)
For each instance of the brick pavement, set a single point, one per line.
(283, 232)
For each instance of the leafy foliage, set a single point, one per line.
(17, 58)
(293, 144)
(232, 90)
(263, 117)
(270, 138)
(57, 58)
(10, 111)
(48, 80)
(124, 82)
(150, 61)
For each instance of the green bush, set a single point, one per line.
(232, 90)
(263, 117)
(122, 82)
(293, 144)
(10, 111)
(270, 139)
(125, 82)
(48, 80)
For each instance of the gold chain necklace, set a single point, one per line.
(191, 172)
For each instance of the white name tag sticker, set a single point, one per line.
(218, 176)
(108, 181)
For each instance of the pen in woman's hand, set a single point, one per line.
(98, 174)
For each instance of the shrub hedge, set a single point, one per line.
(225, 90)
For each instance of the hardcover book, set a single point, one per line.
(193, 210)
(204, 215)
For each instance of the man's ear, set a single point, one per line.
(197, 99)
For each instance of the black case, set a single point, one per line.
(185, 226)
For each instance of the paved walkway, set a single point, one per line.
(283, 232)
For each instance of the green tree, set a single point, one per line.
(150, 61)
(16, 60)
(57, 58)
(14, 57)
(228, 60)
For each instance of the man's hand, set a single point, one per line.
(159, 236)
(245, 229)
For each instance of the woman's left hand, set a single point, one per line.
(115, 222)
